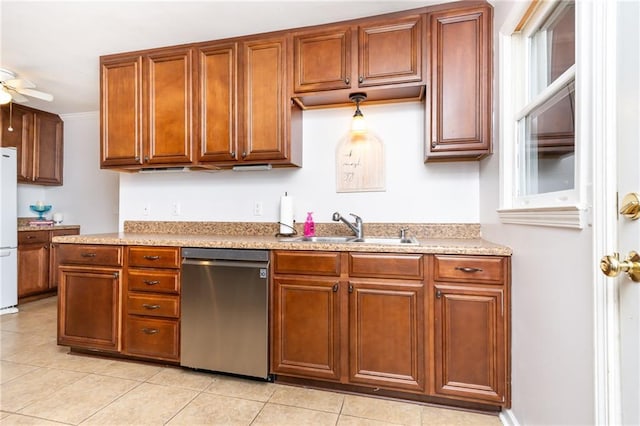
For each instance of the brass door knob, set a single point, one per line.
(612, 266)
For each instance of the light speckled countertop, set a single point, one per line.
(252, 236)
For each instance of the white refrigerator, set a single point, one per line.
(8, 231)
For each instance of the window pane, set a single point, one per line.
(547, 154)
(553, 47)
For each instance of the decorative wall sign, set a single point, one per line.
(360, 163)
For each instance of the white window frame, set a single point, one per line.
(567, 208)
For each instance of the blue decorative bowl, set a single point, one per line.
(41, 210)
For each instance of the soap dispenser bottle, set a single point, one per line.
(309, 226)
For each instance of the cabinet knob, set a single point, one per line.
(347, 80)
(438, 294)
(233, 154)
(244, 154)
(335, 287)
(116, 275)
(360, 79)
(137, 158)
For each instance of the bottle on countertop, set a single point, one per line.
(309, 226)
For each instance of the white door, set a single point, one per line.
(617, 173)
(628, 137)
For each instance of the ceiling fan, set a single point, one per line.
(13, 89)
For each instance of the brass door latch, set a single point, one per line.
(631, 206)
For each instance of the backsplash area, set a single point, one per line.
(419, 230)
(415, 192)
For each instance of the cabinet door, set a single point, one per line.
(470, 347)
(458, 107)
(218, 102)
(121, 111)
(387, 334)
(168, 115)
(390, 52)
(322, 60)
(264, 98)
(21, 121)
(89, 307)
(306, 327)
(48, 151)
(33, 268)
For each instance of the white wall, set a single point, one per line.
(552, 304)
(88, 196)
(415, 192)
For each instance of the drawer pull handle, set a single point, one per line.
(150, 307)
(88, 254)
(152, 257)
(150, 330)
(29, 237)
(151, 282)
(467, 269)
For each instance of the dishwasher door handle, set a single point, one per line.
(231, 263)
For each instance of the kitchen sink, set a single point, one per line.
(353, 240)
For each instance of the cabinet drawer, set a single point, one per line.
(154, 257)
(90, 254)
(156, 305)
(486, 270)
(63, 232)
(376, 265)
(306, 263)
(161, 281)
(33, 237)
(152, 338)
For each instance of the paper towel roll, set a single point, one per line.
(286, 214)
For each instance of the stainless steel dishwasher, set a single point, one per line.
(224, 311)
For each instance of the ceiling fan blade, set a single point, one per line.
(17, 97)
(6, 74)
(36, 94)
(20, 83)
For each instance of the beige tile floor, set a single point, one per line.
(42, 384)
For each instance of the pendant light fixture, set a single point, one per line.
(358, 124)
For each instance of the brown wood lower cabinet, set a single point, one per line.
(301, 304)
(89, 297)
(340, 327)
(471, 304)
(37, 262)
(426, 327)
(89, 307)
(386, 335)
(152, 303)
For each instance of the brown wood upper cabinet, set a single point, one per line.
(147, 108)
(458, 106)
(354, 57)
(246, 116)
(38, 137)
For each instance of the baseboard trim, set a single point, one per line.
(508, 418)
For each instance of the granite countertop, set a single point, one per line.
(432, 239)
(46, 227)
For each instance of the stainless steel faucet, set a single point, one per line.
(357, 228)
